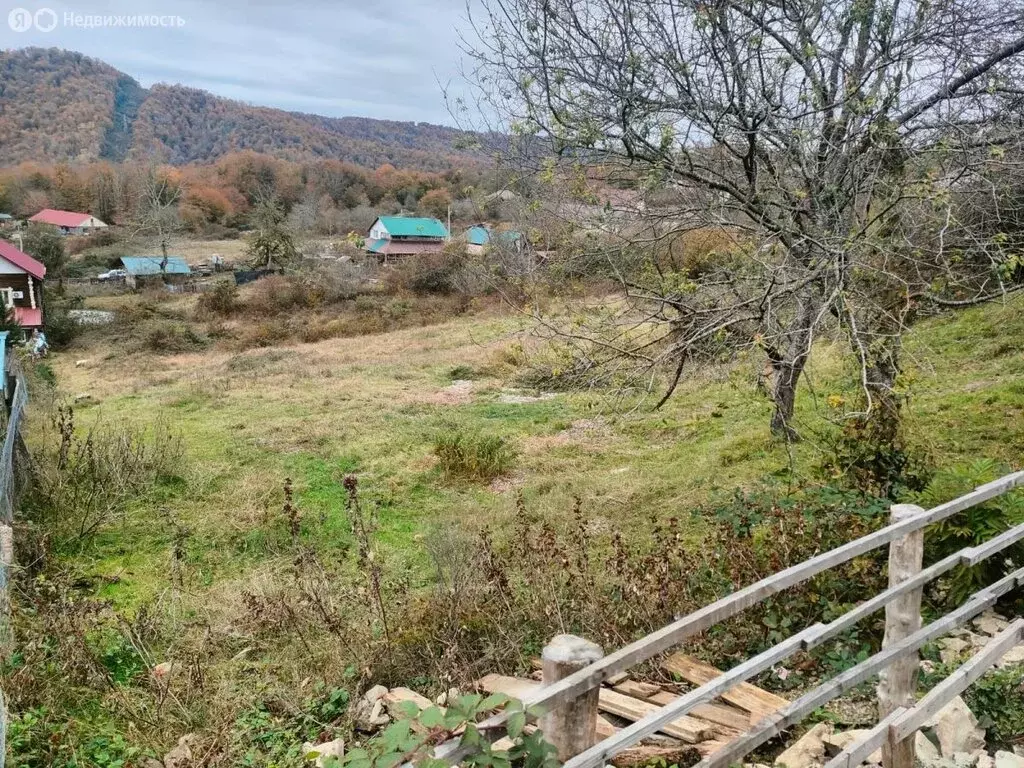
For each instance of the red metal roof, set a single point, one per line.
(21, 260)
(28, 318)
(61, 218)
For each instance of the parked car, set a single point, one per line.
(113, 275)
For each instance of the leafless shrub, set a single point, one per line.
(85, 480)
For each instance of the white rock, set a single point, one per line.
(991, 623)
(927, 753)
(952, 648)
(1008, 760)
(368, 714)
(181, 755)
(956, 729)
(80, 363)
(375, 693)
(1012, 657)
(448, 697)
(808, 751)
(837, 742)
(323, 751)
(985, 760)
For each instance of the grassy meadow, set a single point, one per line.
(375, 406)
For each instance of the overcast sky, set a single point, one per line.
(375, 58)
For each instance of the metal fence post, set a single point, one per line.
(898, 682)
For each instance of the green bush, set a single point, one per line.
(171, 337)
(221, 301)
(473, 455)
(973, 526)
(61, 329)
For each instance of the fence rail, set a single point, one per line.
(15, 392)
(904, 637)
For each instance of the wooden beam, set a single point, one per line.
(792, 714)
(729, 606)
(859, 751)
(757, 701)
(685, 728)
(520, 688)
(632, 734)
(898, 682)
(720, 714)
(672, 634)
(571, 727)
(966, 675)
(637, 690)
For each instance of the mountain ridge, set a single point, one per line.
(64, 106)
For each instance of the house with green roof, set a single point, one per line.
(399, 236)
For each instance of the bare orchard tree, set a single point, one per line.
(811, 133)
(155, 211)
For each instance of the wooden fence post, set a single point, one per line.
(570, 727)
(898, 682)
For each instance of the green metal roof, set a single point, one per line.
(5, 217)
(481, 235)
(150, 265)
(409, 226)
(478, 235)
(374, 246)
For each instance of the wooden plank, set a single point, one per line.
(757, 701)
(975, 555)
(729, 606)
(792, 714)
(686, 728)
(637, 690)
(653, 754)
(721, 715)
(634, 733)
(859, 751)
(965, 676)
(520, 688)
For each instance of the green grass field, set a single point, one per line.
(374, 406)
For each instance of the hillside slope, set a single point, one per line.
(59, 105)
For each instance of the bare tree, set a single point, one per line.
(156, 212)
(811, 133)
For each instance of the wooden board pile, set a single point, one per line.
(707, 728)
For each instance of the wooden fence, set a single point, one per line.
(15, 398)
(568, 690)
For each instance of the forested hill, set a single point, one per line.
(58, 105)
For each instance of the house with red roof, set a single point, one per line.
(21, 286)
(68, 222)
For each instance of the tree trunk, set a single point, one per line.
(880, 382)
(788, 367)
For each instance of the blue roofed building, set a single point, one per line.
(393, 237)
(480, 236)
(148, 270)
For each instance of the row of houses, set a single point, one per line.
(392, 238)
(66, 222)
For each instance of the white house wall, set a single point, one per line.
(6, 268)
